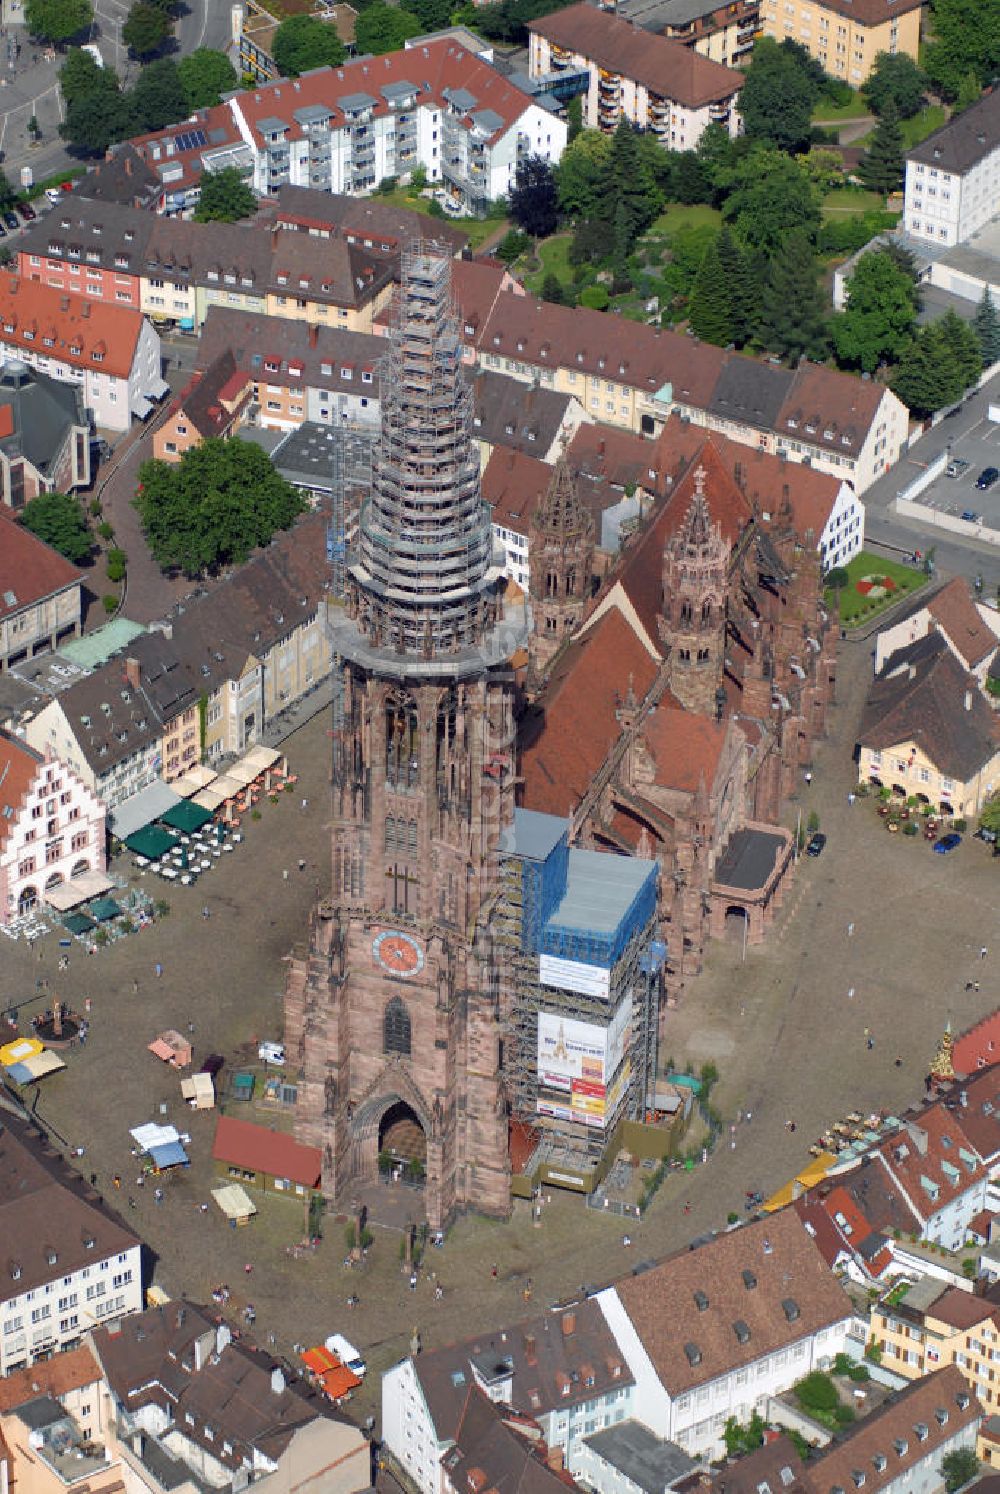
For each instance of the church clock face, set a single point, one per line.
(398, 953)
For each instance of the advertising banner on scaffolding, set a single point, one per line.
(576, 1062)
(574, 975)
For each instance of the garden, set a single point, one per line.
(867, 585)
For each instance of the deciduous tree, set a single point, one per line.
(205, 76)
(225, 197)
(965, 38)
(58, 20)
(96, 120)
(80, 75)
(57, 518)
(146, 28)
(158, 97)
(303, 42)
(772, 197)
(880, 314)
(384, 28)
(581, 174)
(777, 98)
(213, 507)
(896, 78)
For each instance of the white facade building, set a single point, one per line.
(953, 177)
(436, 105)
(67, 1266)
(51, 828)
(114, 774)
(843, 534)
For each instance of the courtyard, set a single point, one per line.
(778, 1021)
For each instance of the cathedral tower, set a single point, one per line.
(561, 559)
(393, 1013)
(693, 620)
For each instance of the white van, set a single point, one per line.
(346, 1353)
(273, 1053)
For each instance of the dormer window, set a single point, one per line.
(51, 1256)
(15, 1272)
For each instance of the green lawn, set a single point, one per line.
(856, 606)
(916, 129)
(678, 215)
(478, 229)
(553, 255)
(827, 112)
(845, 202)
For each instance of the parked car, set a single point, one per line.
(272, 1053)
(956, 467)
(27, 212)
(987, 478)
(989, 836)
(816, 844)
(970, 516)
(53, 194)
(3, 232)
(12, 221)
(947, 843)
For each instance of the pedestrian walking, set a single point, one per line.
(975, 985)
(809, 777)
(135, 988)
(850, 931)
(206, 912)
(493, 1272)
(305, 805)
(850, 993)
(983, 952)
(284, 875)
(850, 799)
(248, 1269)
(158, 968)
(302, 863)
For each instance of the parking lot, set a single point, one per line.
(953, 501)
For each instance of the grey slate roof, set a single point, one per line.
(965, 139)
(44, 411)
(645, 1459)
(105, 229)
(278, 339)
(507, 412)
(751, 392)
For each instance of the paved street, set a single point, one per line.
(787, 1038)
(29, 86)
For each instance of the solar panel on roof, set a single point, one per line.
(191, 140)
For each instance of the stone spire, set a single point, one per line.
(561, 560)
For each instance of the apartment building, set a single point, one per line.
(54, 1427)
(953, 177)
(175, 271)
(722, 33)
(652, 81)
(68, 1263)
(970, 628)
(113, 354)
(927, 729)
(635, 376)
(916, 1337)
(299, 371)
(563, 1370)
(192, 1409)
(712, 1333)
(845, 36)
(51, 828)
(40, 595)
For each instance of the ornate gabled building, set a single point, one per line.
(393, 1011)
(562, 551)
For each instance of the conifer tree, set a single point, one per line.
(881, 167)
(710, 309)
(793, 320)
(986, 325)
(743, 291)
(964, 346)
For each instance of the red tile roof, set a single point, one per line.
(667, 68)
(18, 767)
(932, 1148)
(514, 485)
(83, 333)
(576, 721)
(979, 1046)
(686, 747)
(955, 612)
(240, 1143)
(71, 1370)
(29, 569)
(432, 68)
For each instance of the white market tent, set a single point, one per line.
(217, 792)
(196, 778)
(144, 808)
(235, 1202)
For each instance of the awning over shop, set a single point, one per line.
(242, 773)
(103, 909)
(262, 758)
(186, 817)
(234, 1201)
(152, 842)
(224, 787)
(150, 804)
(196, 777)
(334, 1377)
(171, 1154)
(77, 890)
(78, 923)
(811, 1174)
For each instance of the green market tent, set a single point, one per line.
(103, 909)
(78, 923)
(186, 817)
(152, 842)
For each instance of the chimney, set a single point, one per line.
(277, 1382)
(128, 165)
(968, 700)
(133, 672)
(568, 1324)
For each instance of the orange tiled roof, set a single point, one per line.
(687, 747)
(71, 1370)
(73, 329)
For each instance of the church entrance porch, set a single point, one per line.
(749, 882)
(402, 1145)
(390, 1161)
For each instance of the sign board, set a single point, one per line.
(575, 1062)
(574, 975)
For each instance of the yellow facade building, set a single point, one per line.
(845, 36)
(957, 1328)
